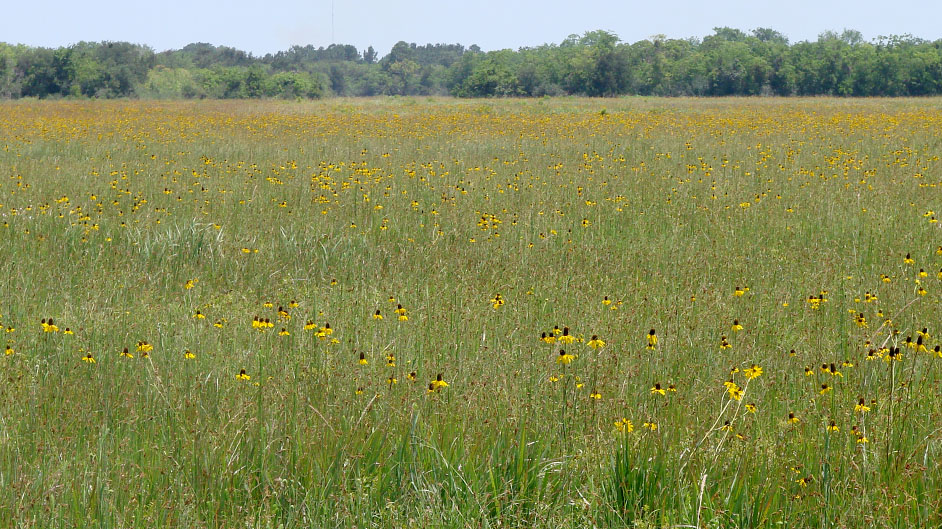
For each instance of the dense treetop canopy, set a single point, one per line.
(728, 62)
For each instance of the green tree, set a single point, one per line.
(44, 72)
(290, 85)
(370, 55)
(9, 84)
(403, 78)
(492, 75)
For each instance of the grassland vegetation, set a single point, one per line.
(540, 313)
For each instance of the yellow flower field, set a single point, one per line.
(412, 313)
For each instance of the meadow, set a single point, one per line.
(438, 313)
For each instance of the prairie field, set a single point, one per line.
(495, 313)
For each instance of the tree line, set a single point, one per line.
(598, 63)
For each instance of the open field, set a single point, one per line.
(411, 259)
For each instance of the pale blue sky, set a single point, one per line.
(492, 24)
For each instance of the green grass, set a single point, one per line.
(663, 206)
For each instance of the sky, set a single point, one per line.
(262, 27)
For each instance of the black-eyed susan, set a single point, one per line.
(439, 382)
(48, 325)
(894, 353)
(624, 425)
(753, 371)
(497, 301)
(861, 437)
(566, 337)
(88, 358)
(814, 302)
